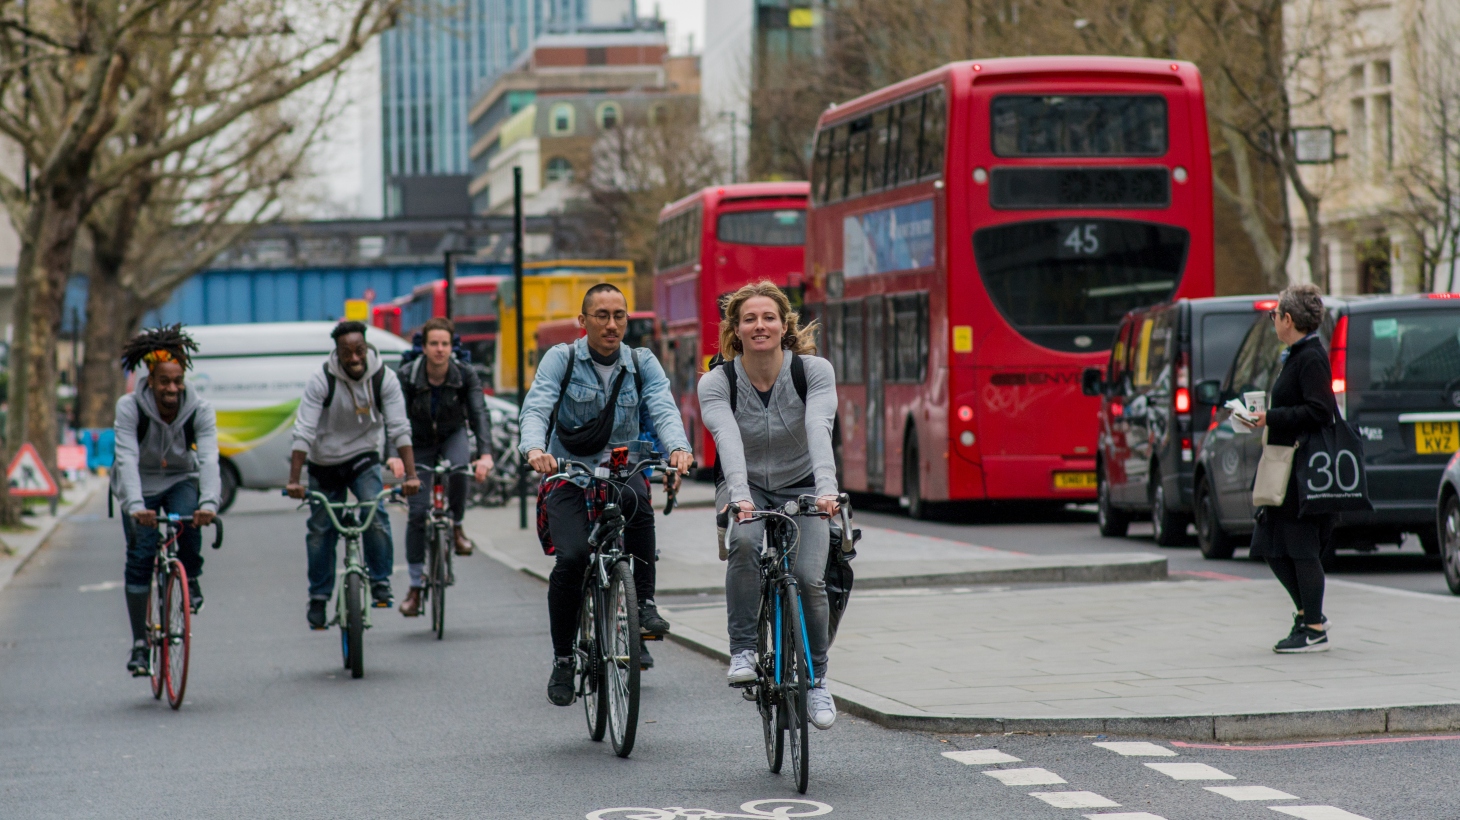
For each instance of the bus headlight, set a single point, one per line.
(1179, 174)
(966, 438)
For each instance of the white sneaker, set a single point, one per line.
(823, 707)
(742, 668)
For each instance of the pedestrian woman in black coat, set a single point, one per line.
(1301, 402)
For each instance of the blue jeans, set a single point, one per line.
(180, 498)
(322, 536)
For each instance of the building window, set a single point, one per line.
(1371, 116)
(559, 169)
(609, 115)
(560, 119)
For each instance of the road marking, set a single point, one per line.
(779, 808)
(1137, 749)
(101, 587)
(1250, 793)
(1075, 800)
(981, 757)
(1190, 771)
(1025, 777)
(1312, 745)
(1207, 575)
(1318, 812)
(1125, 815)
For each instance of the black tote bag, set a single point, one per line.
(1330, 472)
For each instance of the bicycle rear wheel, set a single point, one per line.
(156, 620)
(440, 575)
(353, 641)
(590, 667)
(765, 696)
(177, 632)
(794, 679)
(621, 620)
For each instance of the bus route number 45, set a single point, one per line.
(1080, 239)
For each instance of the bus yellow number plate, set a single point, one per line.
(962, 338)
(1074, 481)
(1436, 437)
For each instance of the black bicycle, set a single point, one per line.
(440, 542)
(784, 672)
(607, 647)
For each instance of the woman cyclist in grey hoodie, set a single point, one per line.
(773, 447)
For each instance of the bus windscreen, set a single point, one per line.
(1079, 126)
(777, 228)
(1065, 284)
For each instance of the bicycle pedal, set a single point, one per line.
(645, 636)
(324, 628)
(749, 693)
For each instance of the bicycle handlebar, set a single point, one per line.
(175, 520)
(569, 470)
(388, 494)
(801, 505)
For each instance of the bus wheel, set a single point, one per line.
(912, 491)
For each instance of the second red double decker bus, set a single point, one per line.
(975, 235)
(709, 244)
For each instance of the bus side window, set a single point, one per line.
(934, 122)
(908, 324)
(819, 167)
(910, 130)
(836, 173)
(833, 340)
(854, 339)
(858, 131)
(877, 137)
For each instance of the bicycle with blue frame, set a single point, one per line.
(352, 611)
(606, 649)
(784, 672)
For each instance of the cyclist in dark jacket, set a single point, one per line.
(443, 399)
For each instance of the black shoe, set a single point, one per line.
(381, 593)
(650, 621)
(316, 614)
(1303, 639)
(195, 595)
(141, 663)
(560, 683)
(646, 661)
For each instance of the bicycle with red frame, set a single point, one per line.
(170, 610)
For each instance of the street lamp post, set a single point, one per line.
(734, 138)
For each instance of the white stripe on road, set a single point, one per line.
(1075, 800)
(1125, 815)
(1025, 777)
(981, 757)
(1190, 771)
(1137, 749)
(101, 587)
(1250, 793)
(1318, 813)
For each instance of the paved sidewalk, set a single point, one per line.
(17, 547)
(689, 559)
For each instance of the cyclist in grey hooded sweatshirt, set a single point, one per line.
(166, 460)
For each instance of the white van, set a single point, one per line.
(254, 376)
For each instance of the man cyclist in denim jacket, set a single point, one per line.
(599, 360)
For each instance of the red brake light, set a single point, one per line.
(965, 413)
(1264, 304)
(1338, 355)
(1183, 400)
(1442, 295)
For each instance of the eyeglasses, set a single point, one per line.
(1272, 314)
(603, 316)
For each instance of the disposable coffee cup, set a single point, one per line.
(1256, 401)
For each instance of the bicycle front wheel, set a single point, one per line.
(177, 632)
(621, 620)
(591, 666)
(156, 629)
(766, 693)
(795, 679)
(440, 576)
(353, 640)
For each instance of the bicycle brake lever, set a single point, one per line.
(218, 532)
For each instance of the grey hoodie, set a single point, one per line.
(162, 458)
(353, 425)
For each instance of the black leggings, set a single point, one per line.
(1303, 579)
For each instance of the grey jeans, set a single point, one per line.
(742, 574)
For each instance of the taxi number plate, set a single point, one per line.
(1074, 481)
(1436, 437)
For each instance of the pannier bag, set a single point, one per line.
(1331, 476)
(839, 576)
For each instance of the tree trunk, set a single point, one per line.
(112, 313)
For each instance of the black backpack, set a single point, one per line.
(375, 385)
(798, 380)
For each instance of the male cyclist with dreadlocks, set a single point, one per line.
(166, 459)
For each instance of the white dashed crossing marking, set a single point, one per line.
(1137, 749)
(1190, 771)
(981, 757)
(1318, 812)
(1025, 777)
(1075, 800)
(1250, 793)
(1125, 815)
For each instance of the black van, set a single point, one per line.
(1396, 373)
(1144, 455)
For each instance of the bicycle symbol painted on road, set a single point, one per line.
(780, 810)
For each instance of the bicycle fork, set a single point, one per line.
(353, 566)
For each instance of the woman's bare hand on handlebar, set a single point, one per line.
(746, 508)
(542, 462)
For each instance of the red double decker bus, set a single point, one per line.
(475, 315)
(708, 244)
(975, 235)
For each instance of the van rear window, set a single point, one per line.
(1405, 351)
(1221, 334)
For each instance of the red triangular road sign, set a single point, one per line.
(28, 476)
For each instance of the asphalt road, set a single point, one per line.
(461, 728)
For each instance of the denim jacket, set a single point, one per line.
(586, 397)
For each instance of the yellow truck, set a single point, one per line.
(551, 289)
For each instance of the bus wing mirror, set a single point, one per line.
(1091, 381)
(1209, 392)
